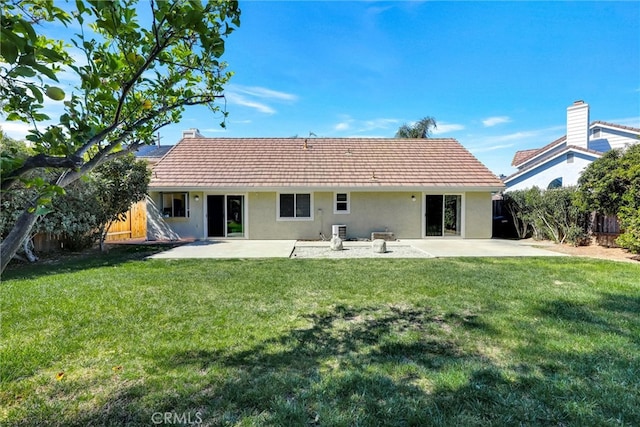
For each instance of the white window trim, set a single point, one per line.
(335, 203)
(279, 218)
(187, 207)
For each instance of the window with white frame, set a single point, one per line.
(294, 206)
(174, 205)
(341, 203)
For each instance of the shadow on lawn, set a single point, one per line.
(394, 365)
(66, 262)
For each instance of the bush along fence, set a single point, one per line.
(548, 214)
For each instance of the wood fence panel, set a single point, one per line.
(134, 226)
(139, 220)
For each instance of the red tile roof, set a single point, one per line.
(524, 155)
(321, 162)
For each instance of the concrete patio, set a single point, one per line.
(225, 249)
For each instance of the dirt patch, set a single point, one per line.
(594, 251)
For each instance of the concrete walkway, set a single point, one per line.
(284, 248)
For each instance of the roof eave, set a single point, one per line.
(346, 188)
(570, 148)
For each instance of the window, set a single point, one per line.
(556, 183)
(569, 157)
(341, 203)
(295, 206)
(174, 205)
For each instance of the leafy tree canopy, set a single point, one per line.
(420, 129)
(611, 185)
(135, 74)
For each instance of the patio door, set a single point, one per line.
(443, 215)
(225, 216)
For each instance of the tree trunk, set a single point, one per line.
(27, 244)
(20, 231)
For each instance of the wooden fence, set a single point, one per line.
(605, 230)
(134, 226)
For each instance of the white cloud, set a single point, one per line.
(257, 97)
(493, 121)
(347, 123)
(516, 136)
(342, 126)
(262, 92)
(380, 123)
(237, 99)
(15, 130)
(446, 128)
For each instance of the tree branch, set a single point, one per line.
(41, 161)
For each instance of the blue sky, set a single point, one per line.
(497, 76)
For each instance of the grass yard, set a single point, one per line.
(461, 342)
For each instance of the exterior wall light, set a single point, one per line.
(197, 198)
(413, 198)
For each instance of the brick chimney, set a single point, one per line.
(192, 133)
(578, 124)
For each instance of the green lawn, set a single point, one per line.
(469, 341)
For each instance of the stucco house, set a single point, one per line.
(297, 188)
(560, 163)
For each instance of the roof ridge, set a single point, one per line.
(540, 150)
(601, 122)
(262, 138)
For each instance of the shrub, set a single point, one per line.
(549, 214)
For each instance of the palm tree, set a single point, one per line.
(420, 129)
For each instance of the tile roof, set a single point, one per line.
(524, 155)
(321, 162)
(614, 125)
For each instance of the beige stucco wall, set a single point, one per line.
(191, 227)
(478, 215)
(369, 211)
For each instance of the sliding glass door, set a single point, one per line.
(443, 215)
(225, 216)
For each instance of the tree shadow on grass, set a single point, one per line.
(68, 262)
(385, 365)
(617, 314)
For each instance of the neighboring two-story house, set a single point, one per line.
(560, 163)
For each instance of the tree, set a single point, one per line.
(118, 184)
(611, 185)
(137, 74)
(84, 213)
(420, 129)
